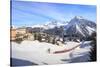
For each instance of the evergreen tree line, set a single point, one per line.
(47, 37)
(93, 52)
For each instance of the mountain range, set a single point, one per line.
(76, 27)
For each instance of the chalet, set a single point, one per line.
(21, 30)
(13, 34)
(71, 38)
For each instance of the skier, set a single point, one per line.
(48, 50)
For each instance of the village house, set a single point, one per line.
(13, 34)
(21, 30)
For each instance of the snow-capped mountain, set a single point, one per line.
(56, 23)
(80, 27)
(51, 24)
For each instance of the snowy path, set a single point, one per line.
(37, 52)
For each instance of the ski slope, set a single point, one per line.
(37, 52)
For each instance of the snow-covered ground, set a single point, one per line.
(37, 52)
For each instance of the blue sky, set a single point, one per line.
(28, 13)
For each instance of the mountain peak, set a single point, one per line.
(78, 17)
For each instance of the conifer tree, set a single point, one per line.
(93, 53)
(39, 37)
(53, 42)
(34, 36)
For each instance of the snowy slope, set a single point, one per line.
(37, 52)
(79, 29)
(90, 30)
